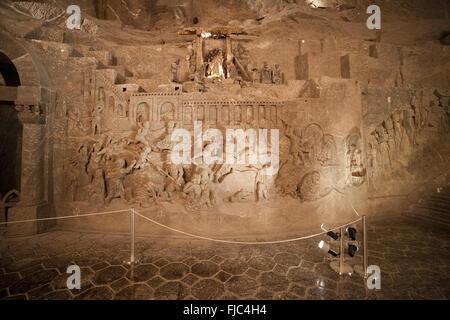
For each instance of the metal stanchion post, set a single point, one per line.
(364, 246)
(132, 236)
(341, 253)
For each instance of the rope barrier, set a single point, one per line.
(240, 242)
(187, 233)
(65, 217)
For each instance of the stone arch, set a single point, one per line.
(10, 128)
(30, 69)
(11, 196)
(167, 111)
(34, 100)
(9, 71)
(142, 112)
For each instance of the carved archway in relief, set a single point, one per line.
(142, 112)
(34, 102)
(167, 111)
(10, 129)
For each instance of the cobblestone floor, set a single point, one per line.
(414, 260)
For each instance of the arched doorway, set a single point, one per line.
(10, 128)
(26, 94)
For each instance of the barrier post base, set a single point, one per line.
(343, 268)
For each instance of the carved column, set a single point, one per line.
(199, 55)
(33, 204)
(33, 148)
(229, 54)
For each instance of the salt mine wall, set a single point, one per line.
(362, 123)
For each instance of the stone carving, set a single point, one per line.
(266, 74)
(309, 187)
(298, 148)
(31, 113)
(312, 154)
(215, 64)
(372, 156)
(392, 143)
(389, 126)
(95, 170)
(141, 140)
(116, 168)
(190, 58)
(255, 74)
(328, 153)
(78, 174)
(410, 126)
(278, 75)
(199, 191)
(174, 70)
(355, 170)
(96, 119)
(399, 130)
(311, 146)
(174, 179)
(385, 159)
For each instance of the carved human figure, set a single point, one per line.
(192, 188)
(208, 196)
(266, 74)
(417, 108)
(115, 171)
(96, 172)
(299, 149)
(78, 177)
(255, 74)
(440, 119)
(354, 166)
(141, 138)
(385, 158)
(409, 125)
(96, 119)
(166, 142)
(389, 126)
(278, 75)
(261, 187)
(174, 179)
(399, 131)
(372, 161)
(328, 151)
(174, 69)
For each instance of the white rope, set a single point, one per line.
(65, 217)
(187, 233)
(240, 242)
(354, 209)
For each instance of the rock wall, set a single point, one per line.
(360, 122)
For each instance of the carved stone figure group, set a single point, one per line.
(267, 75)
(393, 141)
(137, 169)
